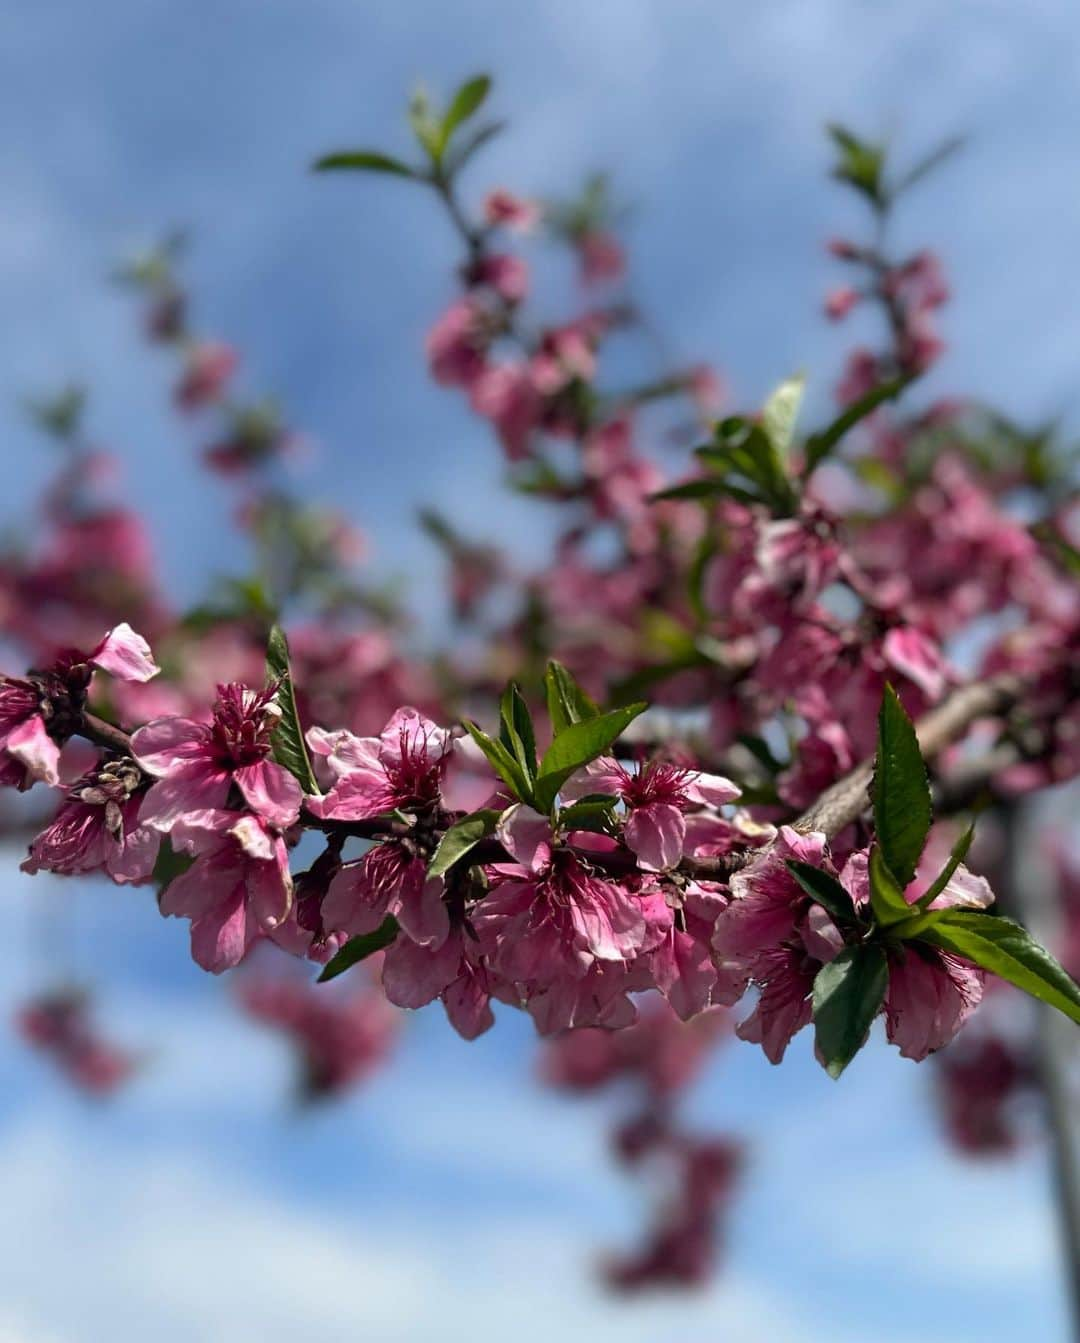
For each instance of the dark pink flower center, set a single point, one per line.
(416, 772)
(655, 782)
(243, 722)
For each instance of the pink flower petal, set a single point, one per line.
(656, 833)
(33, 748)
(270, 791)
(167, 743)
(125, 655)
(195, 788)
(526, 835)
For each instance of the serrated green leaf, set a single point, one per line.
(287, 741)
(461, 838)
(1009, 951)
(886, 894)
(576, 745)
(516, 730)
(360, 948)
(362, 160)
(780, 412)
(823, 888)
(847, 996)
(567, 703)
(956, 857)
(501, 761)
(903, 810)
(820, 445)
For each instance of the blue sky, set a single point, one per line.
(452, 1197)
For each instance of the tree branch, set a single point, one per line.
(846, 800)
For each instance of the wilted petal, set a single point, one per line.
(34, 749)
(125, 655)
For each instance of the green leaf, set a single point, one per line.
(780, 412)
(567, 703)
(465, 102)
(956, 857)
(169, 864)
(465, 149)
(516, 731)
(589, 813)
(362, 160)
(501, 761)
(819, 446)
(576, 745)
(930, 163)
(1007, 950)
(426, 128)
(848, 993)
(461, 838)
(886, 894)
(823, 888)
(902, 807)
(860, 163)
(287, 741)
(704, 487)
(749, 464)
(360, 948)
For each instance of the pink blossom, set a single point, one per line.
(340, 1041)
(504, 274)
(601, 257)
(208, 370)
(963, 890)
(415, 974)
(786, 976)
(402, 769)
(238, 888)
(839, 302)
(930, 995)
(98, 828)
(506, 395)
(915, 655)
(767, 902)
(457, 345)
(195, 764)
(39, 712)
(656, 797)
(387, 880)
(502, 207)
(548, 922)
(59, 1024)
(861, 375)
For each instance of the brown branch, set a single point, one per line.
(104, 734)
